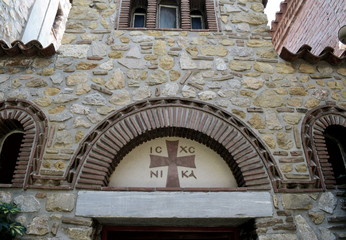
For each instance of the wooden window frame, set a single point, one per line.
(177, 15)
(202, 21)
(138, 14)
(184, 17)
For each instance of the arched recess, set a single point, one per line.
(24, 116)
(112, 139)
(314, 126)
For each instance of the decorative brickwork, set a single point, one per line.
(313, 127)
(117, 135)
(34, 123)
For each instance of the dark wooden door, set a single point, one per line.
(168, 233)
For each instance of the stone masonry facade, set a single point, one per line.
(99, 70)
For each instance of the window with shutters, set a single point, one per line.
(168, 15)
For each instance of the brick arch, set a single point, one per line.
(112, 139)
(33, 123)
(314, 124)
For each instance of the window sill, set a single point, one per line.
(165, 29)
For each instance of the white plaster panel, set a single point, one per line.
(104, 204)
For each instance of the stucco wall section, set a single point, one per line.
(13, 16)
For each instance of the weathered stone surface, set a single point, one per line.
(109, 65)
(5, 197)
(279, 236)
(284, 140)
(256, 121)
(269, 98)
(141, 93)
(134, 52)
(79, 233)
(99, 48)
(79, 109)
(270, 141)
(57, 109)
(285, 68)
(120, 97)
(160, 48)
(166, 62)
(240, 66)
(303, 229)
(317, 217)
(43, 102)
(296, 201)
(60, 202)
(170, 89)
(64, 98)
(36, 83)
(75, 51)
(62, 117)
(77, 221)
(292, 118)
(214, 51)
(327, 202)
(94, 99)
(298, 91)
(76, 78)
(38, 226)
(63, 139)
(80, 122)
(311, 103)
(51, 91)
(86, 65)
(253, 83)
(133, 63)
(254, 43)
(264, 67)
(157, 77)
(207, 95)
(186, 62)
(272, 120)
(27, 203)
(116, 81)
(188, 92)
(220, 64)
(251, 18)
(307, 68)
(326, 234)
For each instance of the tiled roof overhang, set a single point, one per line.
(304, 52)
(30, 49)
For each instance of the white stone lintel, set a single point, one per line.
(185, 205)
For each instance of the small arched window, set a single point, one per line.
(335, 137)
(10, 144)
(139, 18)
(196, 20)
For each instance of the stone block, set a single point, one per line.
(303, 229)
(327, 202)
(60, 202)
(296, 201)
(27, 203)
(38, 226)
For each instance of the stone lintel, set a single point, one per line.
(199, 206)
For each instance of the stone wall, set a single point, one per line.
(99, 70)
(13, 18)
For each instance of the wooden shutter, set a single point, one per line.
(185, 14)
(211, 15)
(151, 14)
(124, 17)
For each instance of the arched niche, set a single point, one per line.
(316, 125)
(21, 116)
(103, 149)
